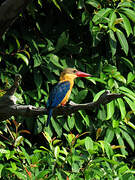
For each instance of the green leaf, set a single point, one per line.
(122, 88)
(1, 168)
(38, 79)
(110, 110)
(42, 174)
(109, 135)
(130, 77)
(81, 96)
(127, 24)
(93, 3)
(18, 141)
(108, 149)
(56, 4)
(130, 103)
(71, 122)
(119, 77)
(23, 57)
(101, 14)
(85, 17)
(56, 127)
(122, 107)
(56, 151)
(121, 142)
(130, 13)
(109, 68)
(54, 59)
(37, 60)
(128, 139)
(127, 62)
(111, 83)
(112, 19)
(80, 4)
(112, 42)
(88, 143)
(62, 41)
(26, 155)
(123, 41)
(126, 4)
(96, 79)
(98, 95)
(20, 175)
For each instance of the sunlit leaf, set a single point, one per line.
(23, 57)
(56, 151)
(88, 143)
(127, 24)
(130, 13)
(122, 107)
(101, 14)
(110, 110)
(130, 77)
(109, 135)
(130, 103)
(98, 95)
(112, 19)
(125, 89)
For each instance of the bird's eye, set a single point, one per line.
(75, 71)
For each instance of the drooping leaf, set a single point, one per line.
(110, 110)
(120, 141)
(128, 139)
(130, 103)
(127, 24)
(109, 135)
(23, 57)
(101, 14)
(112, 19)
(127, 90)
(123, 41)
(112, 42)
(127, 62)
(130, 13)
(122, 107)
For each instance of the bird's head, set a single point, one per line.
(72, 73)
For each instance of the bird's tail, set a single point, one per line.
(49, 116)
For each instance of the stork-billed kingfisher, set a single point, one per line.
(61, 92)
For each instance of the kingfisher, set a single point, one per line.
(61, 92)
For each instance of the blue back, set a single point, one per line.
(57, 94)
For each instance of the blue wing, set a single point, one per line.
(57, 94)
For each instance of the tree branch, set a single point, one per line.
(8, 106)
(9, 10)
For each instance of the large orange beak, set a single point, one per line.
(82, 74)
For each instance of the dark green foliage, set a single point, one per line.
(97, 37)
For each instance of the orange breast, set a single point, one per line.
(71, 80)
(64, 101)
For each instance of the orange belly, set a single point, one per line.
(64, 101)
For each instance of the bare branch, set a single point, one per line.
(8, 106)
